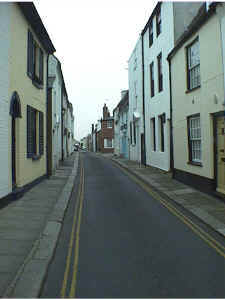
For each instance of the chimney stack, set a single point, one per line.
(105, 111)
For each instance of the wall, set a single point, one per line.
(26, 169)
(135, 103)
(198, 101)
(160, 103)
(5, 124)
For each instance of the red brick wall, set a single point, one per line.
(106, 133)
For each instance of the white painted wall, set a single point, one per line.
(160, 103)
(5, 124)
(54, 70)
(135, 99)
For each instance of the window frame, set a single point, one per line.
(160, 74)
(107, 123)
(191, 149)
(106, 139)
(158, 22)
(152, 81)
(153, 131)
(162, 136)
(35, 61)
(150, 33)
(189, 69)
(35, 133)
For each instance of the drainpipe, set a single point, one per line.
(143, 92)
(171, 124)
(47, 158)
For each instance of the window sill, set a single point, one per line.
(189, 91)
(36, 157)
(194, 163)
(37, 84)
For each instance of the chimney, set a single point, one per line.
(105, 111)
(123, 93)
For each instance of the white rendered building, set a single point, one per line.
(166, 24)
(135, 118)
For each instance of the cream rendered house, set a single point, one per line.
(25, 46)
(197, 84)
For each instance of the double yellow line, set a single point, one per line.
(194, 227)
(74, 242)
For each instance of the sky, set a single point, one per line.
(93, 41)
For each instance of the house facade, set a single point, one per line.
(166, 24)
(198, 101)
(136, 112)
(106, 136)
(23, 59)
(121, 137)
(55, 85)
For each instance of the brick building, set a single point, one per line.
(105, 137)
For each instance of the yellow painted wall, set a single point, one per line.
(26, 169)
(198, 101)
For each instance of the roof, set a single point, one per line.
(155, 10)
(30, 13)
(199, 20)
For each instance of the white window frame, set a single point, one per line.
(195, 143)
(106, 141)
(193, 67)
(109, 123)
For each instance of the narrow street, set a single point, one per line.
(117, 241)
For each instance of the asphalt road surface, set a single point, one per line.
(119, 241)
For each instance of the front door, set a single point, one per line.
(13, 153)
(220, 155)
(143, 159)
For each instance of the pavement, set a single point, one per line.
(209, 209)
(29, 230)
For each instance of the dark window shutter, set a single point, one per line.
(29, 132)
(41, 133)
(131, 133)
(30, 55)
(41, 66)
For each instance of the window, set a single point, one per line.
(131, 137)
(34, 61)
(158, 22)
(108, 143)
(193, 65)
(150, 34)
(134, 133)
(109, 123)
(35, 132)
(161, 131)
(160, 75)
(152, 79)
(194, 135)
(153, 134)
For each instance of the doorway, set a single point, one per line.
(220, 135)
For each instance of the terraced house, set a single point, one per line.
(24, 51)
(198, 103)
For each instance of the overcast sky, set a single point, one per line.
(93, 41)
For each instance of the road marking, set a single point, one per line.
(68, 259)
(194, 227)
(76, 254)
